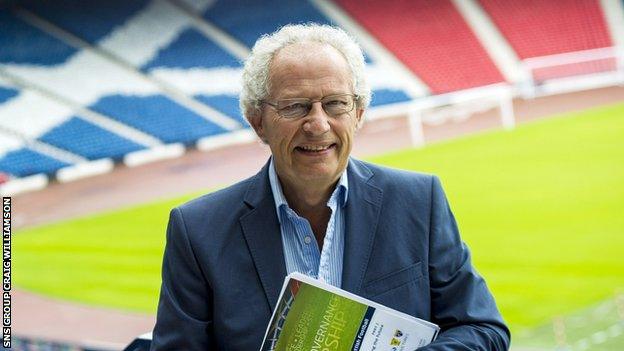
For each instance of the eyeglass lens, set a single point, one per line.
(333, 105)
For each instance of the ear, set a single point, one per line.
(255, 120)
(359, 115)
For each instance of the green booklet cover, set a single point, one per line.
(311, 315)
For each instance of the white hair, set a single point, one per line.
(256, 82)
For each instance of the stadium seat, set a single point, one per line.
(387, 96)
(24, 44)
(226, 104)
(539, 28)
(88, 140)
(90, 20)
(158, 116)
(194, 51)
(247, 20)
(431, 38)
(24, 162)
(6, 94)
(191, 50)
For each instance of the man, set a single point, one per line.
(384, 234)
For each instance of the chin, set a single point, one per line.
(320, 174)
(311, 176)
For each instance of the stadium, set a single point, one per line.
(114, 112)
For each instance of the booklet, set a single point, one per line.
(314, 316)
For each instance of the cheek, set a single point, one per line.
(347, 135)
(284, 147)
(281, 138)
(347, 147)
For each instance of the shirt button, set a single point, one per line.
(307, 239)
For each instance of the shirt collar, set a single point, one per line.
(341, 191)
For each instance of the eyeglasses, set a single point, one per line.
(333, 105)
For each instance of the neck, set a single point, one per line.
(310, 202)
(307, 198)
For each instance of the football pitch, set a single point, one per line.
(541, 208)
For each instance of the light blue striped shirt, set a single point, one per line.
(301, 251)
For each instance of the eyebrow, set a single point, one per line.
(312, 98)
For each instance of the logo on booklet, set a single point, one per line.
(398, 333)
(395, 342)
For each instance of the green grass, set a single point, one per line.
(580, 328)
(111, 259)
(541, 208)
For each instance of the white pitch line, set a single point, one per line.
(615, 330)
(600, 337)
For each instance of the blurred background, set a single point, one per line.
(113, 112)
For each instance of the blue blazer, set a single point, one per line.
(223, 266)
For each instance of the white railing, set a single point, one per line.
(437, 109)
(548, 75)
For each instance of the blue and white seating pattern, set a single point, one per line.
(24, 44)
(142, 74)
(88, 140)
(157, 116)
(6, 94)
(247, 20)
(24, 162)
(90, 20)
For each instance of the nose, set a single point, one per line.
(317, 121)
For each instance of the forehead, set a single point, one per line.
(309, 68)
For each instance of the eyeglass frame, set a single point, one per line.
(311, 102)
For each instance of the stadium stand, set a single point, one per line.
(72, 69)
(6, 94)
(227, 104)
(191, 50)
(234, 16)
(24, 162)
(8, 142)
(271, 15)
(90, 20)
(157, 116)
(539, 28)
(431, 38)
(575, 30)
(22, 119)
(95, 89)
(182, 49)
(29, 44)
(388, 96)
(186, 49)
(152, 72)
(88, 140)
(20, 153)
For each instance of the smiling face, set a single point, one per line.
(311, 150)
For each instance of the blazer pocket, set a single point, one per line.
(393, 280)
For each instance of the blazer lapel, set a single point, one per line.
(362, 216)
(262, 233)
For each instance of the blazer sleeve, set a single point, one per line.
(461, 302)
(184, 318)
